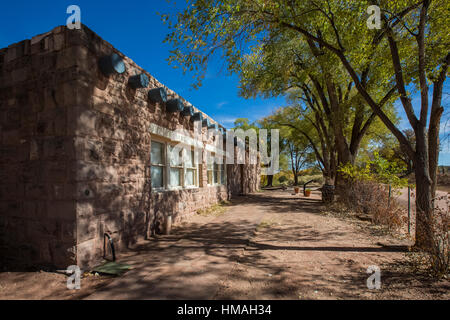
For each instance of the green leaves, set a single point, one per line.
(378, 170)
(230, 28)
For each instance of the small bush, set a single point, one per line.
(366, 191)
(372, 198)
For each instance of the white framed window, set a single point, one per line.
(215, 171)
(219, 173)
(191, 170)
(158, 164)
(175, 160)
(172, 167)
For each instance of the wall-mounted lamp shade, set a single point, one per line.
(158, 95)
(174, 105)
(197, 117)
(213, 126)
(206, 122)
(111, 64)
(239, 141)
(187, 112)
(139, 81)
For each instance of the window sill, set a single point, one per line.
(162, 190)
(191, 187)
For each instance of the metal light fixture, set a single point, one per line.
(174, 105)
(213, 126)
(206, 123)
(197, 117)
(139, 81)
(187, 112)
(157, 95)
(111, 64)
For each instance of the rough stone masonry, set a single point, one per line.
(75, 154)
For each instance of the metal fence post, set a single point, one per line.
(389, 199)
(409, 210)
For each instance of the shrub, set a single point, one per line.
(366, 190)
(372, 198)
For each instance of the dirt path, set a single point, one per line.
(191, 262)
(300, 253)
(269, 245)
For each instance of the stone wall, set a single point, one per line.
(113, 147)
(75, 153)
(38, 80)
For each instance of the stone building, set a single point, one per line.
(85, 139)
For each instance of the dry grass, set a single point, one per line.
(264, 224)
(370, 199)
(215, 210)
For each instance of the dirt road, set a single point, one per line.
(271, 245)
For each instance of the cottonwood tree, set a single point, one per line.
(338, 114)
(411, 48)
(300, 154)
(293, 145)
(313, 76)
(304, 124)
(245, 124)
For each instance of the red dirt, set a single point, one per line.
(269, 245)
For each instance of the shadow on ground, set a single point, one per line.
(231, 257)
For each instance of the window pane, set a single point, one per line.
(175, 177)
(175, 156)
(157, 153)
(210, 161)
(216, 176)
(190, 177)
(210, 177)
(222, 177)
(190, 159)
(157, 177)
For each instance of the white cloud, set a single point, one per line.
(225, 120)
(221, 104)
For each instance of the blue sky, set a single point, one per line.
(134, 28)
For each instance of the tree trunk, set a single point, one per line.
(295, 179)
(269, 181)
(424, 209)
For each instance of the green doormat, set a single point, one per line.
(112, 268)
